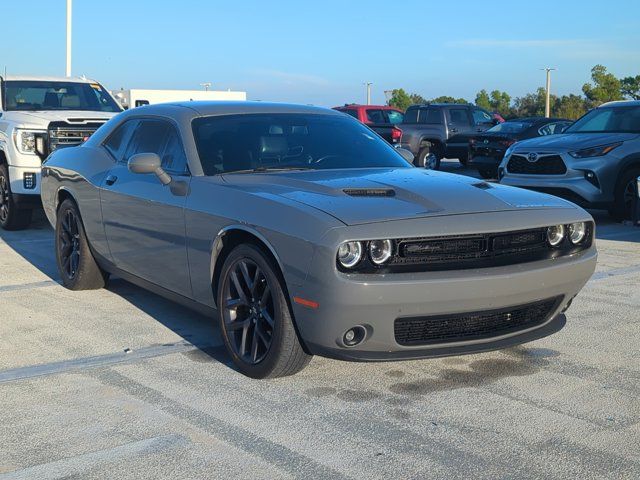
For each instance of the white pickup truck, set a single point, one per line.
(37, 116)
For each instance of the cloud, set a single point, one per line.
(290, 78)
(492, 43)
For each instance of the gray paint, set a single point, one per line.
(173, 240)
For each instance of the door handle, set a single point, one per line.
(110, 180)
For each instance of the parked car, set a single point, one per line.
(438, 130)
(486, 150)
(382, 119)
(38, 116)
(594, 163)
(311, 236)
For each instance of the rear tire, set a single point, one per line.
(428, 158)
(76, 264)
(12, 217)
(622, 208)
(465, 160)
(255, 318)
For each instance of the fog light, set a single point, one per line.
(29, 181)
(354, 336)
(591, 178)
(555, 235)
(349, 336)
(577, 232)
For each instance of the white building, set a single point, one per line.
(136, 97)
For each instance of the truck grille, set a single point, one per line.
(414, 331)
(544, 165)
(61, 134)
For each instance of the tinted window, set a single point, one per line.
(117, 141)
(375, 116)
(510, 127)
(430, 116)
(481, 117)
(350, 111)
(394, 117)
(552, 128)
(411, 116)
(37, 95)
(273, 141)
(458, 117)
(608, 119)
(161, 138)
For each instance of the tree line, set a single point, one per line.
(604, 87)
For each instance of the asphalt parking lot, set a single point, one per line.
(120, 383)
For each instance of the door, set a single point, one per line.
(144, 220)
(460, 127)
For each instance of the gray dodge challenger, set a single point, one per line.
(305, 233)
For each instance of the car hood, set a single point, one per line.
(571, 141)
(355, 196)
(41, 119)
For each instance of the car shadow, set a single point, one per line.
(36, 246)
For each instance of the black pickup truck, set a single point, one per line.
(382, 119)
(442, 130)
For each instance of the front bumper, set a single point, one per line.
(375, 301)
(572, 185)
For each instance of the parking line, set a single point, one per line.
(125, 356)
(615, 272)
(27, 286)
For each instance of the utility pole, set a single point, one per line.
(547, 106)
(69, 38)
(368, 85)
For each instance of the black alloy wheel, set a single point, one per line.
(12, 217)
(248, 311)
(4, 200)
(69, 244)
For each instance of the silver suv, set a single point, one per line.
(595, 162)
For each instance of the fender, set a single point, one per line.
(218, 243)
(632, 158)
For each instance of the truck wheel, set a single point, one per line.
(11, 216)
(428, 159)
(464, 161)
(76, 265)
(254, 316)
(622, 208)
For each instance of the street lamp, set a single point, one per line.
(68, 72)
(206, 85)
(368, 85)
(547, 105)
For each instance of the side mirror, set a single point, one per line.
(146, 163)
(406, 154)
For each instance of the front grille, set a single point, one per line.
(412, 331)
(544, 165)
(61, 134)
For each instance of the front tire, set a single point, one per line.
(428, 158)
(624, 195)
(11, 216)
(255, 318)
(76, 265)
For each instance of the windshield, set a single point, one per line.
(36, 95)
(608, 120)
(510, 127)
(253, 142)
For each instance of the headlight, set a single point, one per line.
(595, 151)
(350, 254)
(380, 251)
(25, 140)
(577, 232)
(555, 235)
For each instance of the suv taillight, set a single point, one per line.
(396, 134)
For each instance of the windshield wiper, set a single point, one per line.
(268, 169)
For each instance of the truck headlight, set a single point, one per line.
(25, 140)
(598, 151)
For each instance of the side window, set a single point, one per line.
(117, 141)
(394, 117)
(459, 117)
(411, 116)
(548, 129)
(480, 117)
(432, 116)
(161, 138)
(375, 116)
(350, 111)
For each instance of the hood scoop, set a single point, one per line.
(370, 192)
(482, 185)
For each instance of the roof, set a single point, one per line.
(538, 119)
(205, 108)
(49, 79)
(622, 103)
(360, 105)
(417, 105)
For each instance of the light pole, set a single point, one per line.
(206, 86)
(368, 85)
(69, 38)
(547, 105)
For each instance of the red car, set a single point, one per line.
(382, 119)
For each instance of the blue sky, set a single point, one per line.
(321, 52)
